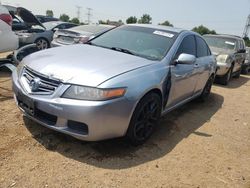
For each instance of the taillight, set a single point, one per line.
(81, 40)
(6, 18)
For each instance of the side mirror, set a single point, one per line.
(185, 59)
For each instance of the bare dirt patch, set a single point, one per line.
(199, 145)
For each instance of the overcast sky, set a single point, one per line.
(224, 16)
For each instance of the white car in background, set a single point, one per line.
(8, 39)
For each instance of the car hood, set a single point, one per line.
(83, 64)
(28, 17)
(221, 51)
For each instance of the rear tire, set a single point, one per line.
(144, 120)
(42, 43)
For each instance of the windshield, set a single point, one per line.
(94, 29)
(220, 42)
(51, 25)
(144, 42)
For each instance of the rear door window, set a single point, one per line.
(202, 48)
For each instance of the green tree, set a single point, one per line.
(131, 20)
(64, 18)
(167, 23)
(49, 13)
(203, 30)
(103, 22)
(145, 19)
(75, 21)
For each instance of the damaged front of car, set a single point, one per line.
(75, 98)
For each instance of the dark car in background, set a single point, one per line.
(44, 19)
(230, 52)
(80, 34)
(56, 25)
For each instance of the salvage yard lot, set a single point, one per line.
(199, 145)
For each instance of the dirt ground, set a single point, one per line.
(199, 145)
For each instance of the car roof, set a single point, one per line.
(226, 36)
(161, 27)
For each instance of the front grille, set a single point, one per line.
(44, 84)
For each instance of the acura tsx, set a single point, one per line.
(118, 84)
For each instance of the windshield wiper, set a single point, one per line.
(123, 50)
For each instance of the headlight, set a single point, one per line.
(93, 94)
(222, 58)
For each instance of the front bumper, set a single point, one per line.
(93, 120)
(222, 68)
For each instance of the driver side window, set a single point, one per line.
(188, 46)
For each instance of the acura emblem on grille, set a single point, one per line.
(35, 84)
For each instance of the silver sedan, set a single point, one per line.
(118, 84)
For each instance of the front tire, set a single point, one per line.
(207, 89)
(226, 78)
(144, 120)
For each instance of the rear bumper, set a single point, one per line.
(93, 120)
(56, 44)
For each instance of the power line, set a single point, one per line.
(89, 14)
(247, 27)
(78, 11)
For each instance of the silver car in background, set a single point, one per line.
(230, 53)
(79, 34)
(118, 84)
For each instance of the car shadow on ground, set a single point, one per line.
(236, 82)
(118, 154)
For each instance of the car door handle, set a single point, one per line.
(196, 65)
